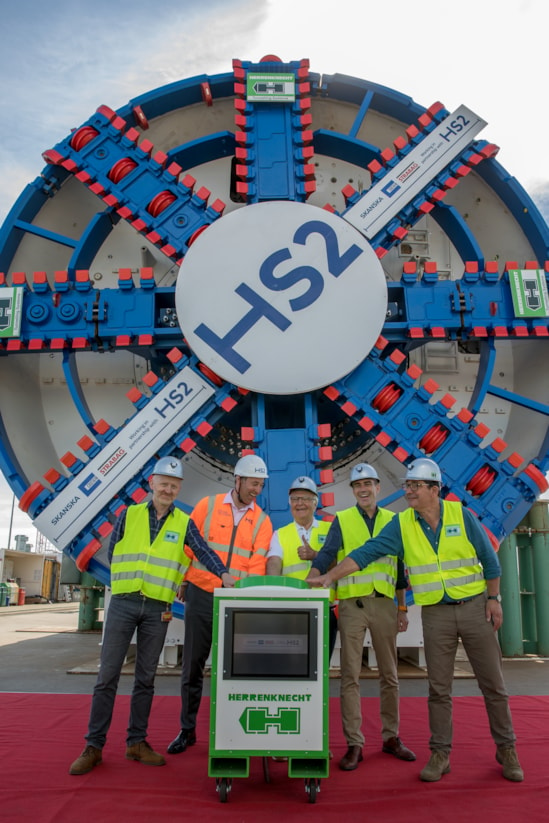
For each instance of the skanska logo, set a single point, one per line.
(65, 510)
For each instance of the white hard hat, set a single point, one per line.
(363, 471)
(169, 466)
(424, 469)
(304, 482)
(251, 466)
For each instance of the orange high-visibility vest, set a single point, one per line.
(242, 548)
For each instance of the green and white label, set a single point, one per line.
(260, 721)
(272, 88)
(11, 309)
(529, 291)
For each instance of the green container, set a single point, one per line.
(4, 594)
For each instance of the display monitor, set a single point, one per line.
(263, 643)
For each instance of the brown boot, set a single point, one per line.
(439, 764)
(507, 756)
(87, 761)
(144, 754)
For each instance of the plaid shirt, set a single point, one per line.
(193, 538)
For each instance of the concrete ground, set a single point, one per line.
(41, 650)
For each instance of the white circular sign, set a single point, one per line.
(281, 297)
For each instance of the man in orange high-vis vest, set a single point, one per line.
(239, 532)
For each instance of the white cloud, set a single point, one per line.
(66, 62)
(60, 61)
(491, 56)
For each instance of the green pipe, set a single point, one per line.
(90, 593)
(510, 634)
(527, 590)
(539, 522)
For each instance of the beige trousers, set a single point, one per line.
(379, 615)
(443, 626)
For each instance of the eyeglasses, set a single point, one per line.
(413, 485)
(297, 498)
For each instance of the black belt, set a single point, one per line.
(359, 602)
(137, 596)
(457, 602)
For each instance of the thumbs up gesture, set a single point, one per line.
(305, 552)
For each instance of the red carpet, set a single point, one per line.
(40, 735)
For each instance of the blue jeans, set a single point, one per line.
(127, 613)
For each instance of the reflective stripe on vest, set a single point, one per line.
(289, 539)
(155, 570)
(456, 568)
(380, 575)
(234, 545)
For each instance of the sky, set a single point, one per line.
(60, 60)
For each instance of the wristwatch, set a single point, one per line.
(495, 597)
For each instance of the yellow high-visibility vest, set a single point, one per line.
(456, 568)
(155, 570)
(380, 575)
(289, 539)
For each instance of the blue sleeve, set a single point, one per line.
(328, 552)
(388, 541)
(484, 549)
(401, 581)
(203, 553)
(117, 534)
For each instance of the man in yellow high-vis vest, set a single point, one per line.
(148, 559)
(294, 546)
(367, 601)
(455, 575)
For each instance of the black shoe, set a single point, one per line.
(186, 737)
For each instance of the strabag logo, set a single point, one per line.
(111, 461)
(404, 175)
